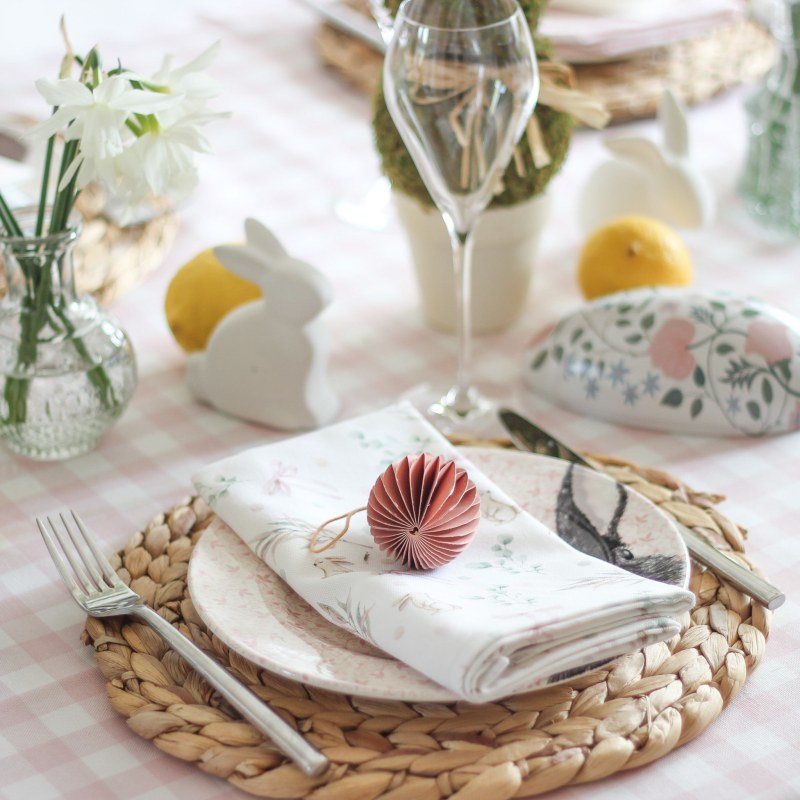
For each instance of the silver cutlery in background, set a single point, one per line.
(100, 592)
(340, 16)
(525, 435)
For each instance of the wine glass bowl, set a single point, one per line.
(460, 82)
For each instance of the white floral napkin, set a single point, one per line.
(515, 610)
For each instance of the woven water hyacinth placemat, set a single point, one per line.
(694, 69)
(632, 711)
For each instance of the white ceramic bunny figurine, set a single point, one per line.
(266, 360)
(649, 178)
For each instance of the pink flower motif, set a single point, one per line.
(669, 350)
(276, 484)
(768, 340)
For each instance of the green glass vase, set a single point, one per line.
(770, 181)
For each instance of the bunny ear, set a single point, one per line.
(673, 125)
(243, 260)
(642, 153)
(262, 238)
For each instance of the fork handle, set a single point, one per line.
(251, 707)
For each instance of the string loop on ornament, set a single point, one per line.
(312, 542)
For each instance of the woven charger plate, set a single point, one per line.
(694, 69)
(631, 712)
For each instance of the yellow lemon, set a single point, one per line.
(199, 295)
(630, 252)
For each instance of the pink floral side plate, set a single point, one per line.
(254, 612)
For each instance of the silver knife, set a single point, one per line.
(525, 435)
(346, 19)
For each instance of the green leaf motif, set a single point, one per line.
(724, 348)
(576, 334)
(785, 370)
(696, 408)
(558, 353)
(541, 357)
(750, 312)
(673, 398)
(766, 391)
(624, 308)
(716, 305)
(699, 376)
(634, 338)
(647, 322)
(754, 410)
(623, 323)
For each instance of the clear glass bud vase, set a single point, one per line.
(770, 181)
(67, 369)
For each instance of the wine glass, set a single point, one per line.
(461, 82)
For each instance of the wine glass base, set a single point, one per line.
(469, 413)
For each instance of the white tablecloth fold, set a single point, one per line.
(515, 610)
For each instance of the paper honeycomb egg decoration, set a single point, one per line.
(423, 510)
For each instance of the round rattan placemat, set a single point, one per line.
(694, 69)
(624, 715)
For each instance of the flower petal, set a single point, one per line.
(65, 92)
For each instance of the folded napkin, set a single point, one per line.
(586, 37)
(515, 610)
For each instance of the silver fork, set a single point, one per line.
(100, 592)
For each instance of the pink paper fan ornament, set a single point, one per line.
(424, 510)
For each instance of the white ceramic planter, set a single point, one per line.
(503, 259)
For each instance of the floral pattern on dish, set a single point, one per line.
(253, 611)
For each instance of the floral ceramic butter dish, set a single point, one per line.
(674, 359)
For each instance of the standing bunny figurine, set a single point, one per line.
(648, 178)
(266, 360)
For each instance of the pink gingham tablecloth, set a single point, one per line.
(298, 140)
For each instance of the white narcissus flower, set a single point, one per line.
(136, 135)
(162, 160)
(97, 119)
(193, 86)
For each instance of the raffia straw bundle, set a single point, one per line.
(627, 714)
(694, 69)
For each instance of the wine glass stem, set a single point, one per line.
(460, 396)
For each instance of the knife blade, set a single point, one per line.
(349, 21)
(525, 435)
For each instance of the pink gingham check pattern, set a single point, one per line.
(297, 140)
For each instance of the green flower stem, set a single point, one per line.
(7, 218)
(48, 159)
(97, 374)
(64, 200)
(16, 389)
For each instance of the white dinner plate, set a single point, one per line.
(256, 614)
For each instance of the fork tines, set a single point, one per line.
(93, 571)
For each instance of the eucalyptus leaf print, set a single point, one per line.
(215, 489)
(349, 614)
(674, 359)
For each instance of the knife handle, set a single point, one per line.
(734, 573)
